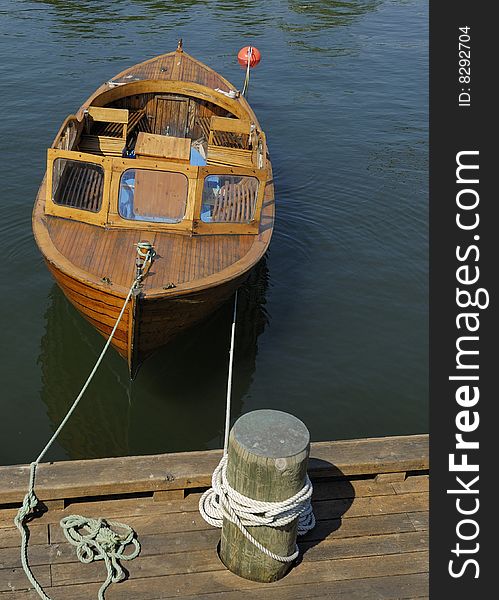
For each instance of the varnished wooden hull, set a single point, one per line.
(147, 323)
(93, 258)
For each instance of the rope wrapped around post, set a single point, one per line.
(221, 500)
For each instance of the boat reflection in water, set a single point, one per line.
(177, 403)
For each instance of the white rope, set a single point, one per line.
(30, 500)
(229, 377)
(222, 500)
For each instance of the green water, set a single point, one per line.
(333, 325)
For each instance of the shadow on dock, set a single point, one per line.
(332, 498)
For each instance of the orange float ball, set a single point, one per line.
(254, 59)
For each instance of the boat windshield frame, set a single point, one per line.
(192, 223)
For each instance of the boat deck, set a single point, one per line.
(370, 541)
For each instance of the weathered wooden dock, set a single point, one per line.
(370, 541)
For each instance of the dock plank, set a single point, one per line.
(398, 587)
(194, 469)
(370, 540)
(13, 580)
(177, 586)
(165, 543)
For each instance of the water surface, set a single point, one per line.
(333, 324)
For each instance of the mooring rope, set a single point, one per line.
(222, 500)
(101, 542)
(30, 500)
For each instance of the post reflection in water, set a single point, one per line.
(177, 402)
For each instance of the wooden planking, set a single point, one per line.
(162, 146)
(194, 469)
(397, 587)
(175, 253)
(154, 562)
(9, 536)
(166, 535)
(371, 455)
(350, 538)
(12, 580)
(182, 515)
(331, 489)
(371, 540)
(330, 509)
(170, 586)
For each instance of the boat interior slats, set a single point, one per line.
(110, 138)
(106, 254)
(80, 186)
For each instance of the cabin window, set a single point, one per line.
(77, 184)
(157, 196)
(229, 199)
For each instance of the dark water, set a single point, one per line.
(333, 325)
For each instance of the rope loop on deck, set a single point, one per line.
(30, 501)
(95, 539)
(222, 500)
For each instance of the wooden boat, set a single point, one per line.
(166, 152)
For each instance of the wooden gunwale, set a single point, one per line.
(61, 263)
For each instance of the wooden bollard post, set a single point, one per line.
(267, 460)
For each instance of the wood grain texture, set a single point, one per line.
(267, 460)
(370, 541)
(194, 469)
(162, 146)
(198, 264)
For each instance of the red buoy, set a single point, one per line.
(249, 52)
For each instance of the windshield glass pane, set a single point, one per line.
(77, 184)
(229, 199)
(157, 196)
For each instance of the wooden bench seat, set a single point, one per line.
(228, 142)
(110, 128)
(116, 129)
(221, 131)
(102, 145)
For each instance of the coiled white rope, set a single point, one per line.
(30, 500)
(222, 500)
